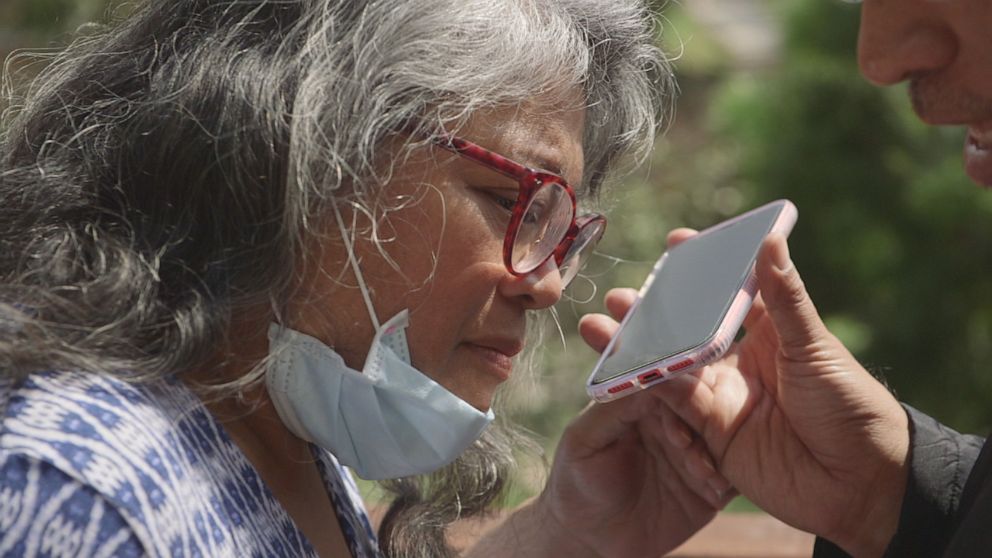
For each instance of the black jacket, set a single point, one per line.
(947, 509)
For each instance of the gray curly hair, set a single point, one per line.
(162, 174)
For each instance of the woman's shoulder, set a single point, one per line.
(89, 440)
(75, 419)
(93, 436)
(152, 452)
(45, 511)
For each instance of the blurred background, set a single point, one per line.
(894, 243)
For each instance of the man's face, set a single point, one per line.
(944, 49)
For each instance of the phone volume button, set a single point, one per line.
(751, 283)
(711, 353)
(722, 348)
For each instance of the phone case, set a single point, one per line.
(714, 348)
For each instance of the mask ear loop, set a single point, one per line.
(348, 245)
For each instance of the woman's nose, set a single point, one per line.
(901, 38)
(538, 289)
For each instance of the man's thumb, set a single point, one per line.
(796, 321)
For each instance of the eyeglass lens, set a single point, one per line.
(545, 222)
(579, 251)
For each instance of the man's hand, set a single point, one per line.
(794, 422)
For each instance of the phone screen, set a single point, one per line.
(690, 295)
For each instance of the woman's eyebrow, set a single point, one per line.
(546, 160)
(551, 166)
(562, 170)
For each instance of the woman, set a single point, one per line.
(246, 242)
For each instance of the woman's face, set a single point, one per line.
(444, 232)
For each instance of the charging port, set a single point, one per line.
(649, 376)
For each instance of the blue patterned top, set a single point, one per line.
(94, 466)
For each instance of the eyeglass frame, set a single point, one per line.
(530, 181)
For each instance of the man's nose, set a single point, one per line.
(901, 38)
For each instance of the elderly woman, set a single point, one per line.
(246, 243)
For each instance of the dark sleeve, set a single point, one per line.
(940, 460)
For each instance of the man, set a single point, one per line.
(790, 417)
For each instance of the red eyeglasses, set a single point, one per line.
(543, 223)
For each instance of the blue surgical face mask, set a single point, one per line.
(388, 420)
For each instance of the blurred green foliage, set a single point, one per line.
(894, 243)
(41, 26)
(46, 18)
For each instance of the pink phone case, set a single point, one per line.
(709, 351)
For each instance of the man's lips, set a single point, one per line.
(981, 134)
(938, 107)
(978, 153)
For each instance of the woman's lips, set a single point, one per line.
(497, 362)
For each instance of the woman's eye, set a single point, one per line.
(503, 201)
(534, 212)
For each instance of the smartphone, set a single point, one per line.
(691, 306)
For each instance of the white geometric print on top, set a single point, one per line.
(94, 466)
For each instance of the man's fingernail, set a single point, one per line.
(780, 258)
(719, 498)
(719, 484)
